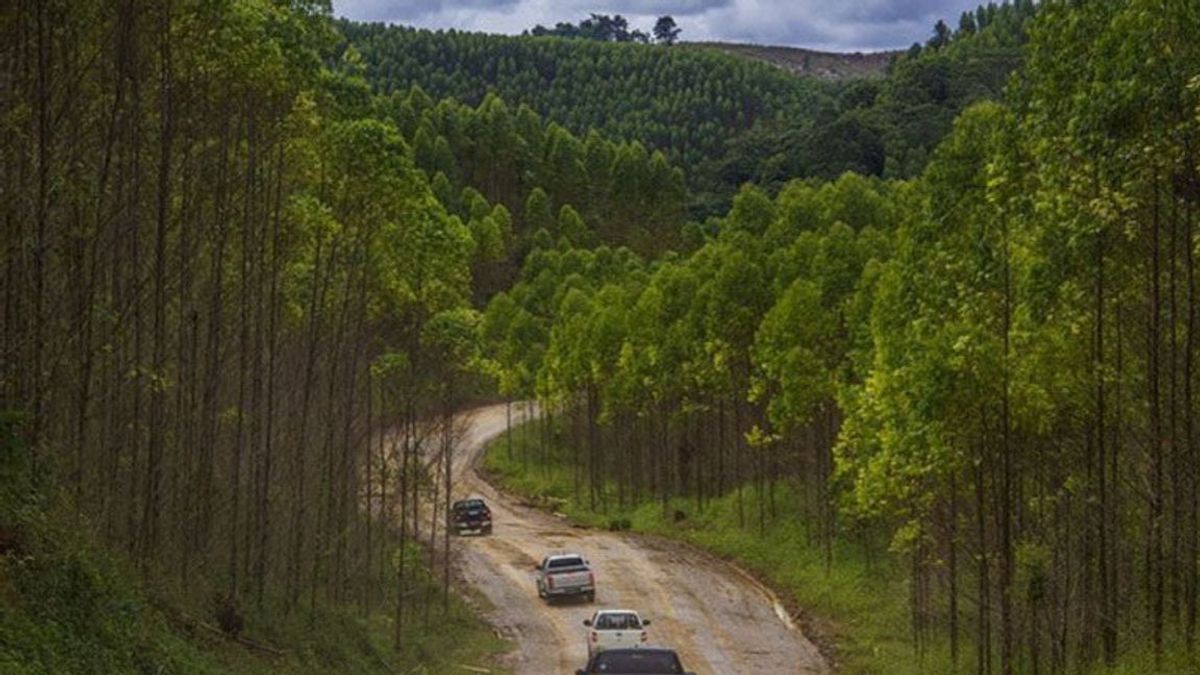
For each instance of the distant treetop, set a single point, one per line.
(605, 28)
(665, 30)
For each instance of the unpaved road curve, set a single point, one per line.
(719, 620)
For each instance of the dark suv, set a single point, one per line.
(472, 515)
(644, 661)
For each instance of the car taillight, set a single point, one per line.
(591, 578)
(595, 636)
(643, 636)
(550, 582)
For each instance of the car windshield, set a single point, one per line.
(637, 662)
(618, 621)
(573, 561)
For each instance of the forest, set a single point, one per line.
(726, 120)
(946, 318)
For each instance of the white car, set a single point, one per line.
(615, 628)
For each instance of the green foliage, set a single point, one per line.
(682, 100)
(512, 158)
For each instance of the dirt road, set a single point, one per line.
(718, 619)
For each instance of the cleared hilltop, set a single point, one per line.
(825, 65)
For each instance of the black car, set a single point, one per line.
(472, 515)
(644, 661)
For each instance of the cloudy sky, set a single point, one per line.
(836, 25)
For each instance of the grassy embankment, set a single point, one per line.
(859, 603)
(68, 605)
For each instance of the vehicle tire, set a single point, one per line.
(591, 597)
(487, 530)
(541, 592)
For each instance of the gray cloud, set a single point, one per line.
(838, 25)
(409, 10)
(675, 8)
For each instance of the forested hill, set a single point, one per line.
(683, 101)
(726, 118)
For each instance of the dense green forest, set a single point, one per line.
(543, 180)
(991, 367)
(726, 119)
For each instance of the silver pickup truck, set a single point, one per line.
(567, 575)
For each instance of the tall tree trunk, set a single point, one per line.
(157, 421)
(1006, 488)
(1108, 628)
(1154, 567)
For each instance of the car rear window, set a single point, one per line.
(618, 621)
(470, 504)
(638, 662)
(565, 562)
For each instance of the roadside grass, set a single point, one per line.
(69, 604)
(859, 603)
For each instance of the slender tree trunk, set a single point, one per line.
(1193, 466)
(151, 506)
(983, 641)
(952, 570)
(1108, 627)
(1155, 563)
(448, 461)
(1006, 499)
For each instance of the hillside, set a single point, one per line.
(809, 62)
(685, 102)
(726, 114)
